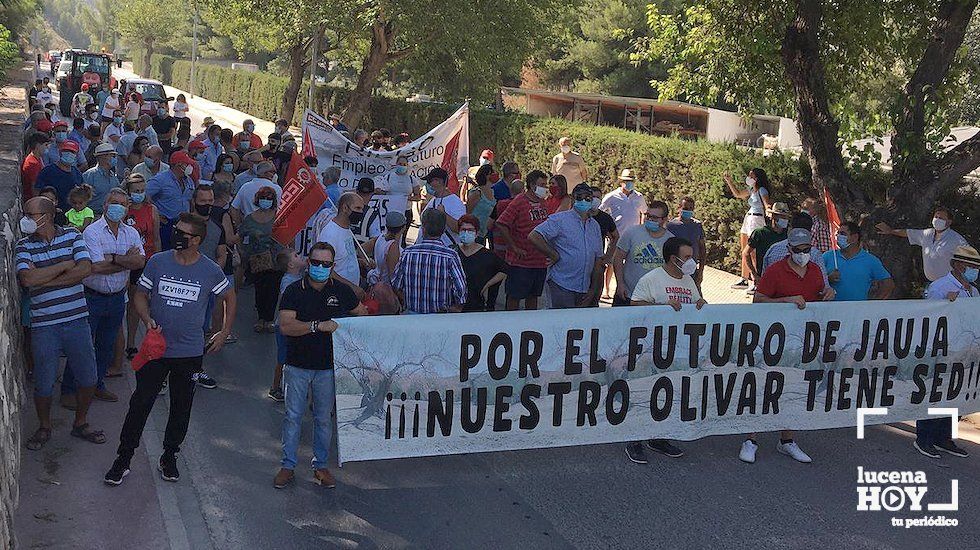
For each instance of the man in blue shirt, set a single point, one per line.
(60, 135)
(855, 270)
(62, 175)
(102, 177)
(208, 159)
(78, 134)
(573, 243)
(171, 192)
(509, 172)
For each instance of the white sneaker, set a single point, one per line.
(747, 454)
(794, 450)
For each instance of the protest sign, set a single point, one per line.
(459, 383)
(302, 196)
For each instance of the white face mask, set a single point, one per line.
(27, 225)
(566, 149)
(541, 192)
(801, 258)
(750, 182)
(782, 223)
(188, 170)
(939, 224)
(689, 267)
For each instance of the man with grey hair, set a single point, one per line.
(250, 161)
(307, 237)
(152, 163)
(429, 276)
(361, 137)
(144, 127)
(244, 202)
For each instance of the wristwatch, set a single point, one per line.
(314, 325)
(113, 259)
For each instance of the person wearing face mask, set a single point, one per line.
(483, 269)
(79, 135)
(260, 251)
(527, 265)
(640, 250)
(171, 193)
(179, 317)
(247, 139)
(337, 233)
(606, 225)
(63, 175)
(572, 243)
(626, 207)
(441, 198)
(247, 166)
(53, 153)
(855, 270)
(934, 436)
(144, 127)
(792, 280)
(401, 188)
(763, 238)
(33, 164)
(272, 146)
(371, 225)
(136, 155)
(224, 169)
(378, 141)
(779, 250)
(306, 318)
(102, 177)
(145, 219)
(244, 202)
(569, 164)
(558, 197)
(115, 249)
(166, 128)
(209, 156)
(480, 202)
(152, 163)
(670, 284)
(307, 236)
(509, 172)
(51, 263)
(756, 192)
(111, 104)
(195, 150)
(938, 242)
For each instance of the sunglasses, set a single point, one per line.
(321, 263)
(179, 232)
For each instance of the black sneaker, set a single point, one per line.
(741, 285)
(663, 446)
(119, 470)
(277, 395)
(927, 450)
(635, 453)
(204, 380)
(951, 448)
(168, 467)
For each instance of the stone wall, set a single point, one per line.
(12, 111)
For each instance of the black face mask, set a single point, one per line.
(356, 217)
(203, 210)
(180, 240)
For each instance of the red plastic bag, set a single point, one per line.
(153, 347)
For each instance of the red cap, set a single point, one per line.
(196, 144)
(487, 154)
(68, 145)
(181, 157)
(85, 86)
(44, 125)
(60, 123)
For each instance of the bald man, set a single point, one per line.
(51, 263)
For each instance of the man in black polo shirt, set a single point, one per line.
(306, 312)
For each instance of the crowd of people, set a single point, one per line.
(130, 222)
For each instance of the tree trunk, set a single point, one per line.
(378, 56)
(297, 66)
(147, 54)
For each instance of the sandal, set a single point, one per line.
(40, 437)
(259, 327)
(92, 436)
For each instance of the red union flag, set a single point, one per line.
(302, 196)
(833, 219)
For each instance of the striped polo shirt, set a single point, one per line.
(51, 305)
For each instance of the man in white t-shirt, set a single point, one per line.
(347, 259)
(938, 242)
(441, 198)
(244, 201)
(375, 210)
(671, 284)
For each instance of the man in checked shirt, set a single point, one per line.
(429, 276)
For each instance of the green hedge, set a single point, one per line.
(667, 168)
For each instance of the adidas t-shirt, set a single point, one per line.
(643, 254)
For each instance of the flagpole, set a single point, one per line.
(833, 243)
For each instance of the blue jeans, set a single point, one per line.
(105, 316)
(166, 232)
(73, 339)
(298, 383)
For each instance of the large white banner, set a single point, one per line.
(458, 383)
(447, 145)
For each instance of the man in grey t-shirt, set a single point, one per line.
(640, 250)
(172, 297)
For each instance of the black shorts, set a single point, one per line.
(524, 282)
(134, 275)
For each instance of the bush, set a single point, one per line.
(667, 168)
(9, 52)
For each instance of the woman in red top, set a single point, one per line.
(558, 197)
(145, 219)
(32, 164)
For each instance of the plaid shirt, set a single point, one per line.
(821, 235)
(430, 275)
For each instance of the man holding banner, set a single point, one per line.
(855, 270)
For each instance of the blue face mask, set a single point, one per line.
(117, 119)
(266, 204)
(687, 214)
(137, 197)
(149, 162)
(115, 212)
(971, 274)
(429, 189)
(319, 273)
(401, 170)
(161, 112)
(582, 206)
(842, 241)
(333, 193)
(651, 226)
(229, 168)
(60, 136)
(112, 162)
(630, 185)
(69, 158)
(467, 237)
